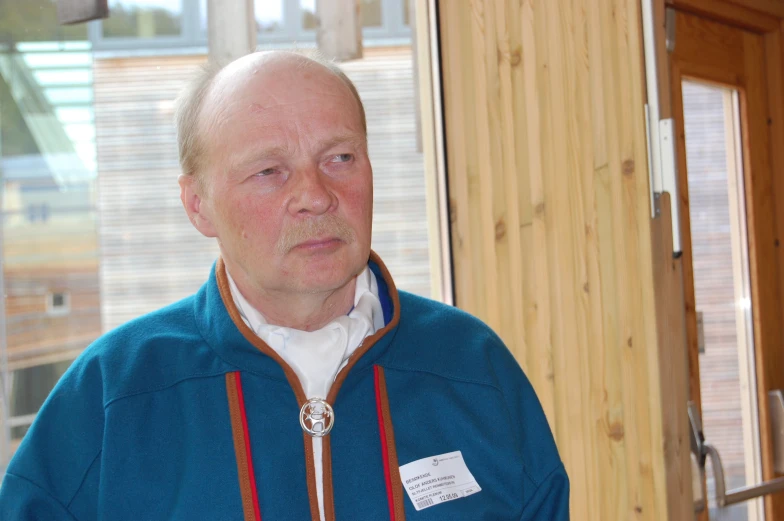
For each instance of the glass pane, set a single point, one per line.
(49, 220)
(309, 17)
(143, 18)
(721, 285)
(370, 13)
(35, 21)
(269, 16)
(29, 388)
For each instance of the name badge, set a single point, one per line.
(437, 479)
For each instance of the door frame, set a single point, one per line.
(766, 18)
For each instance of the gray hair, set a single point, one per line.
(190, 101)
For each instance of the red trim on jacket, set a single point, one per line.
(241, 437)
(251, 473)
(384, 450)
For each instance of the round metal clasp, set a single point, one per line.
(316, 417)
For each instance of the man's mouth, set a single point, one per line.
(321, 243)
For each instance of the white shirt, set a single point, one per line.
(316, 357)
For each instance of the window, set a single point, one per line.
(58, 300)
(370, 14)
(29, 388)
(309, 16)
(35, 21)
(149, 26)
(58, 303)
(143, 19)
(270, 18)
(38, 212)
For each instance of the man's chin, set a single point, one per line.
(322, 285)
(321, 272)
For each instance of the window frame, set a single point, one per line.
(393, 31)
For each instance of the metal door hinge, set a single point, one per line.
(700, 333)
(669, 28)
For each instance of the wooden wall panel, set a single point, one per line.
(552, 241)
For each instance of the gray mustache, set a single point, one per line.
(325, 226)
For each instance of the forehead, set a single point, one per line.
(280, 93)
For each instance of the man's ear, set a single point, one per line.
(192, 200)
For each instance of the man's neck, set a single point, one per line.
(303, 311)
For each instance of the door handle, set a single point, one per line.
(737, 495)
(703, 450)
(697, 474)
(697, 456)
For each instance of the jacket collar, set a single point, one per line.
(222, 327)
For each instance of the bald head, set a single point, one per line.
(206, 101)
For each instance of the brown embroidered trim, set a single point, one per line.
(389, 431)
(240, 452)
(372, 339)
(329, 495)
(310, 472)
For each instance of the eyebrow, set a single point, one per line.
(348, 139)
(243, 161)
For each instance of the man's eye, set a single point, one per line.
(342, 158)
(266, 172)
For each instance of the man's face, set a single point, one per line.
(288, 190)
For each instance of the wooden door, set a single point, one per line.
(726, 90)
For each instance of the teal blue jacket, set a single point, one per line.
(184, 414)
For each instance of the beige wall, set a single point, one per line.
(551, 232)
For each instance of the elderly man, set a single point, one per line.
(298, 383)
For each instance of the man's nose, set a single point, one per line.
(311, 192)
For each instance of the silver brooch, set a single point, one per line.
(316, 417)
